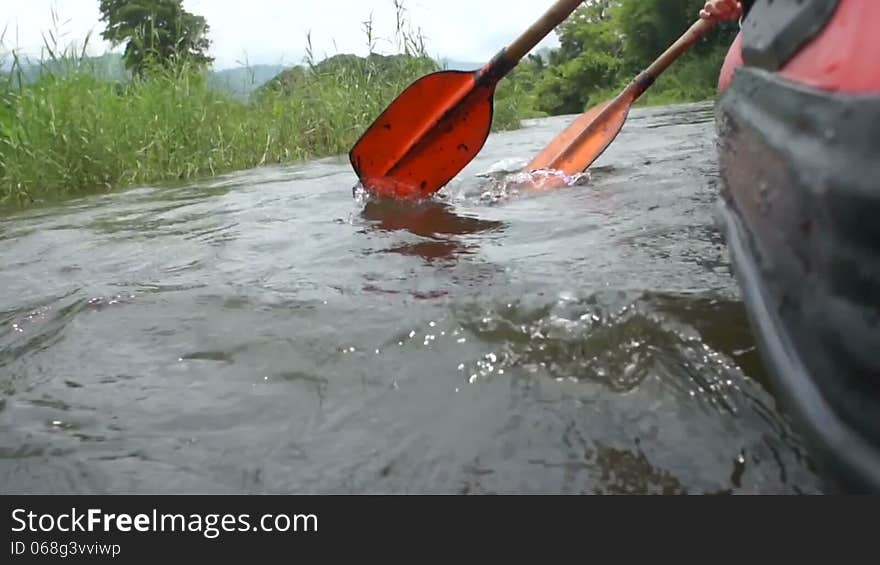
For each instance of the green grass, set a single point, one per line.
(691, 79)
(74, 132)
(71, 133)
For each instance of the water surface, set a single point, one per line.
(267, 332)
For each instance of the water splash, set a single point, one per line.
(516, 184)
(506, 180)
(360, 194)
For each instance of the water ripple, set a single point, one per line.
(268, 331)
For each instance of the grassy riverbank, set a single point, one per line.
(690, 79)
(73, 130)
(73, 133)
(70, 129)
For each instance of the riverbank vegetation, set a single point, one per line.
(606, 43)
(71, 129)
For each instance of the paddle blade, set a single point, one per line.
(582, 142)
(431, 131)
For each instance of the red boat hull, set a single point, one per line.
(799, 155)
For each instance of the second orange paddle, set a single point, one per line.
(582, 142)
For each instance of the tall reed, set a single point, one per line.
(71, 131)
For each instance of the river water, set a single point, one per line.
(269, 332)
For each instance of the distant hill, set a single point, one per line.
(454, 65)
(390, 66)
(242, 81)
(239, 82)
(108, 67)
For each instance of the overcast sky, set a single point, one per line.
(274, 31)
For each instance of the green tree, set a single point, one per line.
(651, 26)
(605, 43)
(156, 32)
(590, 57)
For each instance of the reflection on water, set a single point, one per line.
(433, 220)
(265, 332)
(428, 219)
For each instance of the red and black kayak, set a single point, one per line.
(798, 118)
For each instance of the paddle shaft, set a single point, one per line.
(495, 70)
(620, 105)
(414, 147)
(548, 22)
(676, 50)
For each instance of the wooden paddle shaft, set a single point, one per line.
(685, 42)
(539, 30)
(599, 130)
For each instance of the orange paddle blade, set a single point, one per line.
(582, 142)
(441, 122)
(576, 148)
(431, 131)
